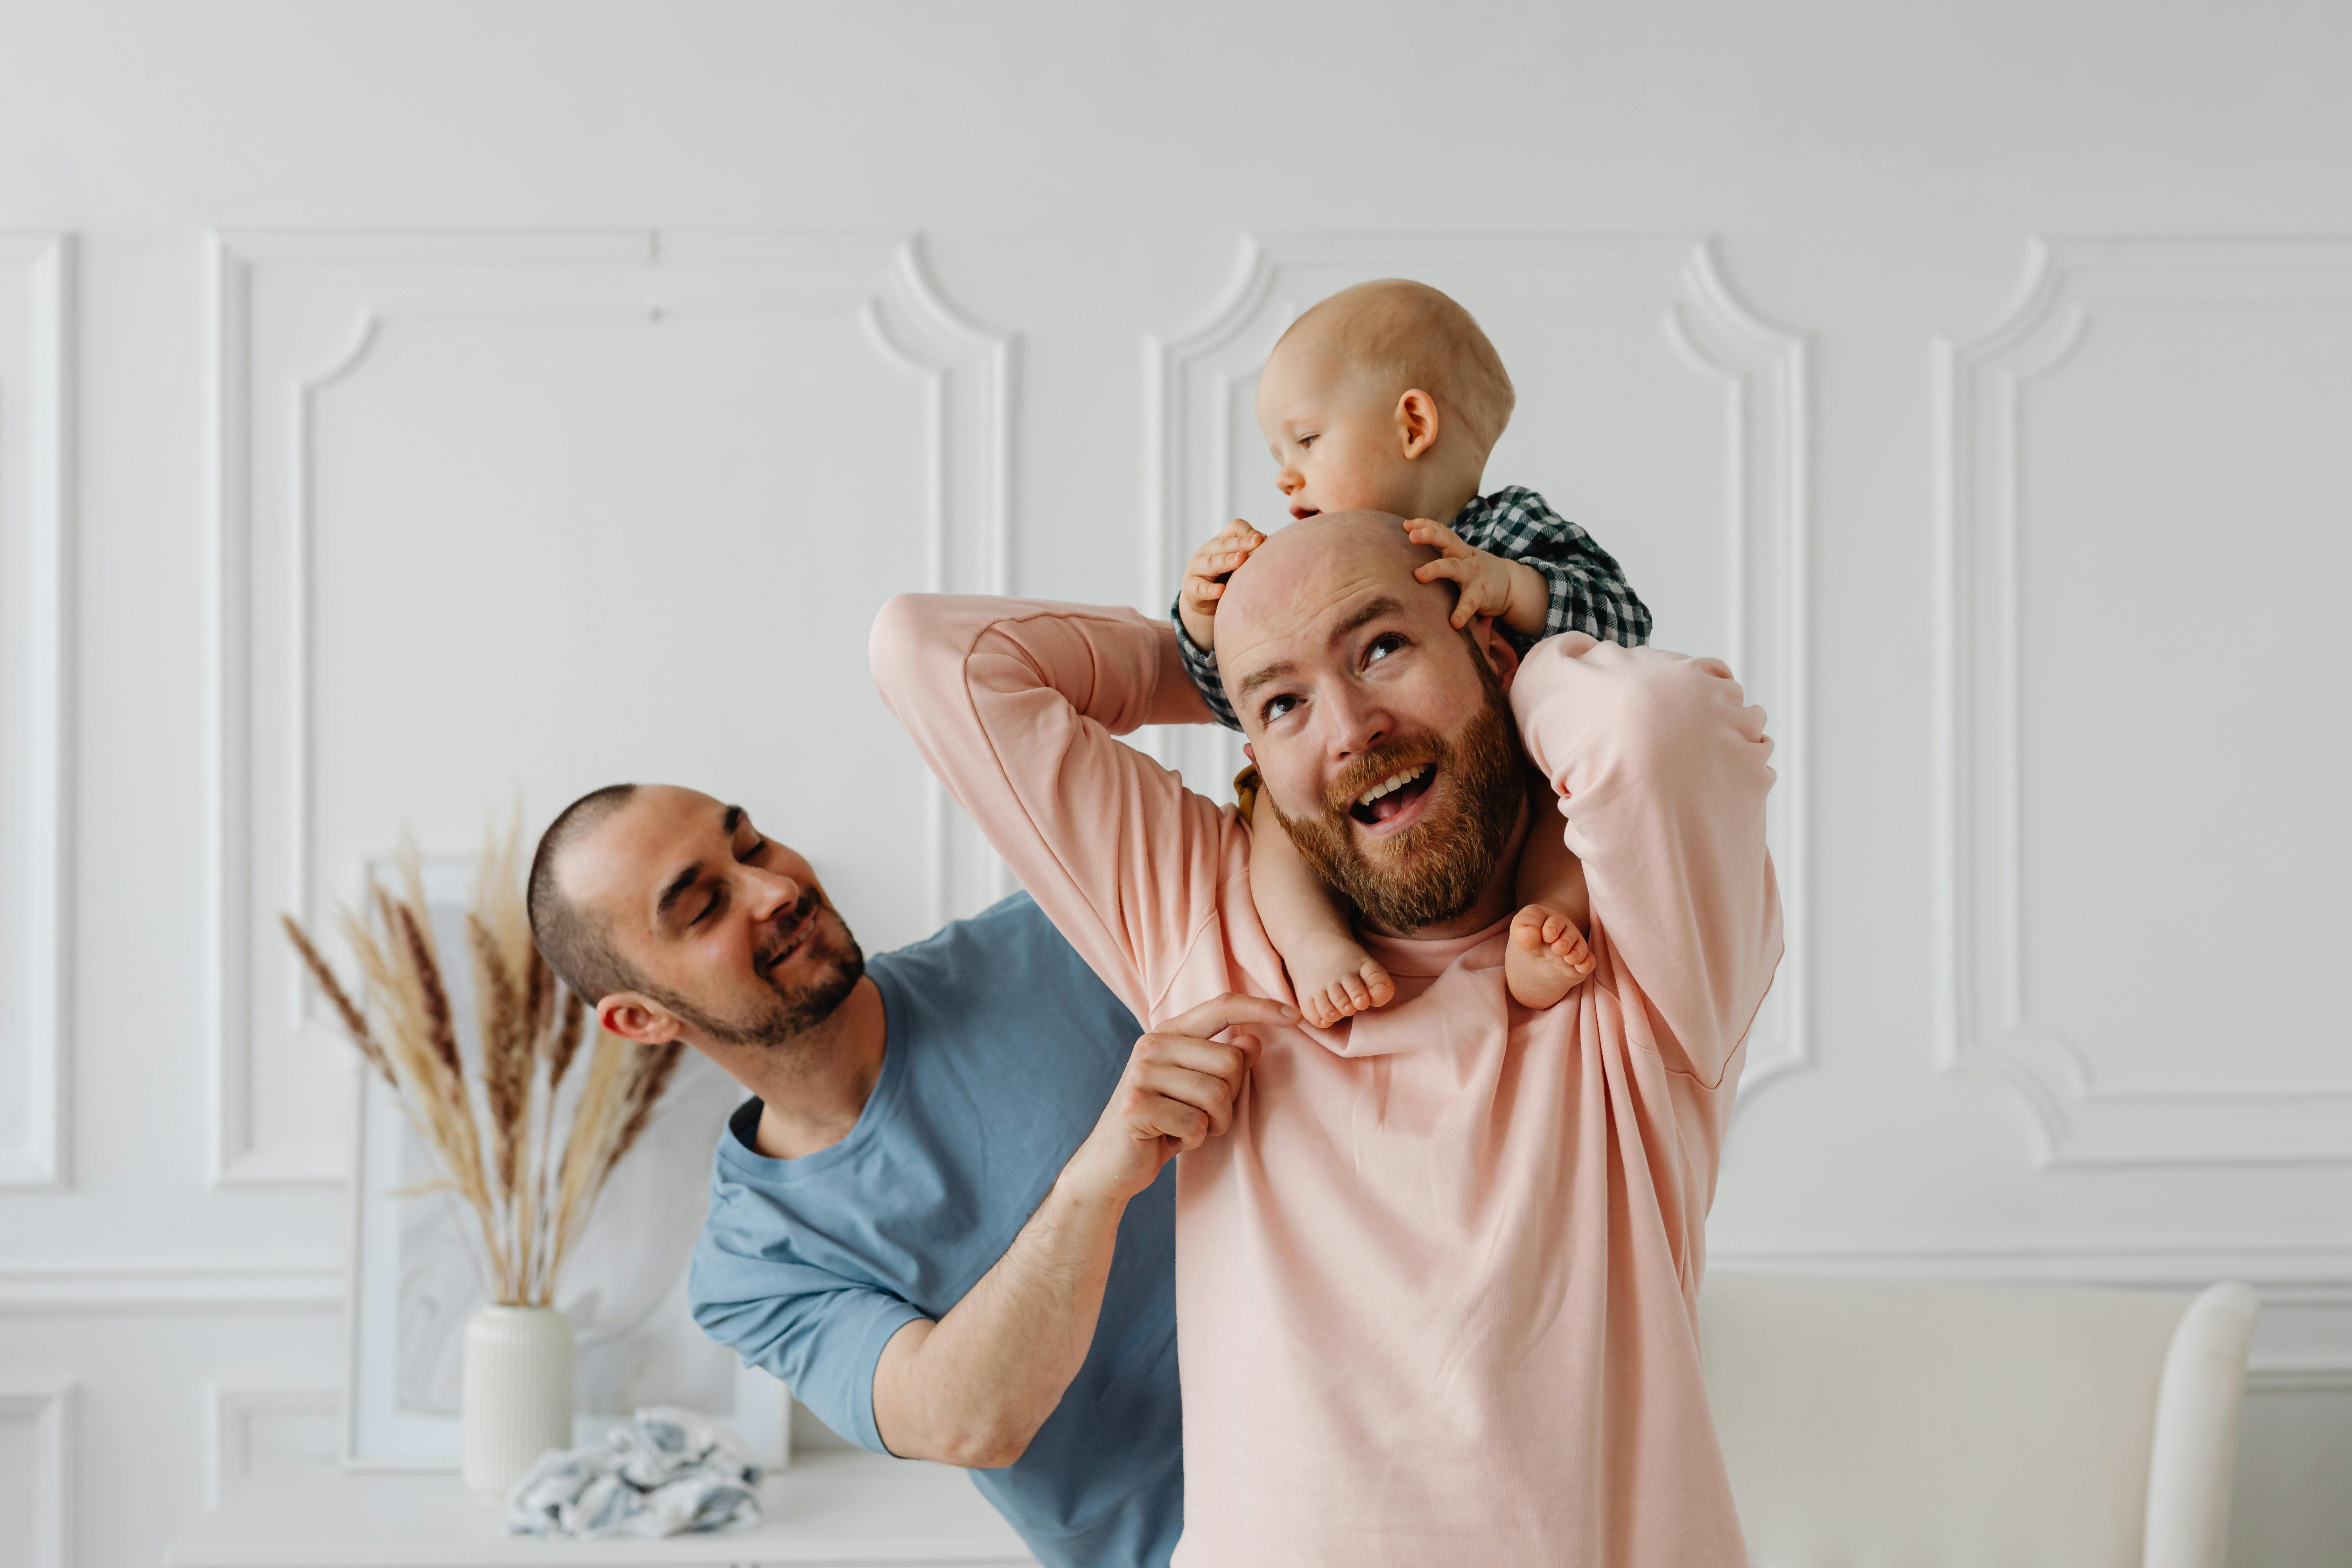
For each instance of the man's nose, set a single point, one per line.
(1357, 724)
(769, 890)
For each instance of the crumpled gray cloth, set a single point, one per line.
(667, 1472)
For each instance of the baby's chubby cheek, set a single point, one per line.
(1361, 489)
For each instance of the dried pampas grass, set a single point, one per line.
(496, 1150)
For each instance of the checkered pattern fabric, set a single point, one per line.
(1589, 591)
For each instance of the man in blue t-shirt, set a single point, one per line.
(946, 1219)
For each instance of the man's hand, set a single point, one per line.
(972, 1388)
(1205, 579)
(1511, 592)
(1178, 1092)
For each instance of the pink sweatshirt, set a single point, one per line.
(1436, 1290)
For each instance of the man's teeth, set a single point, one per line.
(1391, 783)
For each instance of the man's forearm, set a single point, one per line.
(972, 1388)
(1016, 706)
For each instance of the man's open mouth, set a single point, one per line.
(1392, 793)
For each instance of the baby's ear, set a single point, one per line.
(1416, 421)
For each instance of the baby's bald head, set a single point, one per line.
(1396, 333)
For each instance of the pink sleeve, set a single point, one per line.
(1662, 773)
(1015, 705)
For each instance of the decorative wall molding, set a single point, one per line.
(1984, 1024)
(231, 1412)
(261, 853)
(167, 1287)
(1194, 377)
(35, 1066)
(50, 1409)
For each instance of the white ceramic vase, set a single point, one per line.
(516, 1400)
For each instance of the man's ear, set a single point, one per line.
(1416, 422)
(1250, 752)
(639, 1018)
(1501, 657)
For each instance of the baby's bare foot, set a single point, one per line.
(1547, 958)
(1336, 979)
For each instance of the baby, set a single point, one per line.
(1387, 397)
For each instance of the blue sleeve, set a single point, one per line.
(820, 1332)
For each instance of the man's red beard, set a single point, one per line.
(1435, 870)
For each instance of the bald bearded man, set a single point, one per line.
(1436, 1286)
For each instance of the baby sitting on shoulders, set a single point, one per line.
(1388, 397)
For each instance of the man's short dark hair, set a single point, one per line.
(576, 942)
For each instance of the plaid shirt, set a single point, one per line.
(1589, 591)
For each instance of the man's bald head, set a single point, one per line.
(1398, 334)
(1301, 568)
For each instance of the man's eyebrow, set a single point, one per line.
(1257, 677)
(1372, 610)
(683, 883)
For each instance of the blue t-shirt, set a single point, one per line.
(1002, 1049)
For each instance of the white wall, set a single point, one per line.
(402, 408)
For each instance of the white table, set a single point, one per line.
(828, 1509)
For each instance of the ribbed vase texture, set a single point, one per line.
(516, 1401)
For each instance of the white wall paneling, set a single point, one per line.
(268, 1427)
(1654, 408)
(37, 277)
(515, 514)
(38, 1504)
(2140, 498)
(147, 1286)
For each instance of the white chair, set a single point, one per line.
(1869, 1425)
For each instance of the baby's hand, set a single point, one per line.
(1511, 592)
(1548, 957)
(1205, 579)
(1336, 979)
